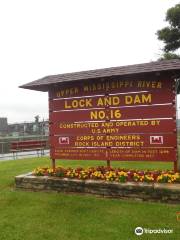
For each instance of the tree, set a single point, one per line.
(170, 35)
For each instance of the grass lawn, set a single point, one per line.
(40, 215)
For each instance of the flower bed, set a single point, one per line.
(111, 174)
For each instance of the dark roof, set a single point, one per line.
(158, 66)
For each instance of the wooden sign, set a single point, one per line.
(113, 127)
(125, 113)
(131, 99)
(79, 153)
(117, 119)
(112, 86)
(115, 154)
(126, 140)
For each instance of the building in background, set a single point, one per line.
(24, 129)
(3, 126)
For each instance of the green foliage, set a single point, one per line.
(173, 16)
(170, 35)
(171, 38)
(169, 56)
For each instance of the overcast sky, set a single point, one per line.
(44, 37)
